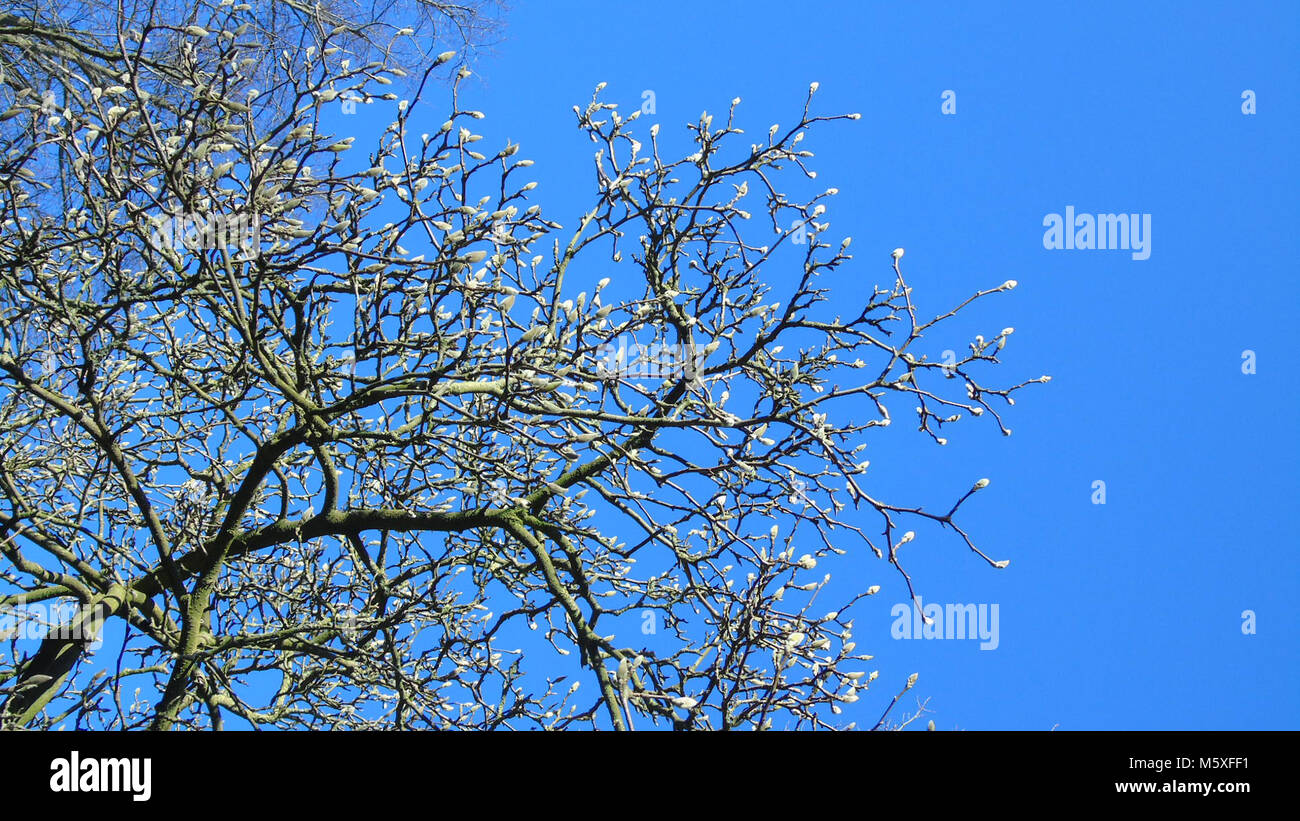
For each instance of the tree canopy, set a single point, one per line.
(339, 434)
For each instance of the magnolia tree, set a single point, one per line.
(307, 431)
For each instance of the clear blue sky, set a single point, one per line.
(1122, 615)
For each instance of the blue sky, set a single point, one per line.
(1122, 615)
